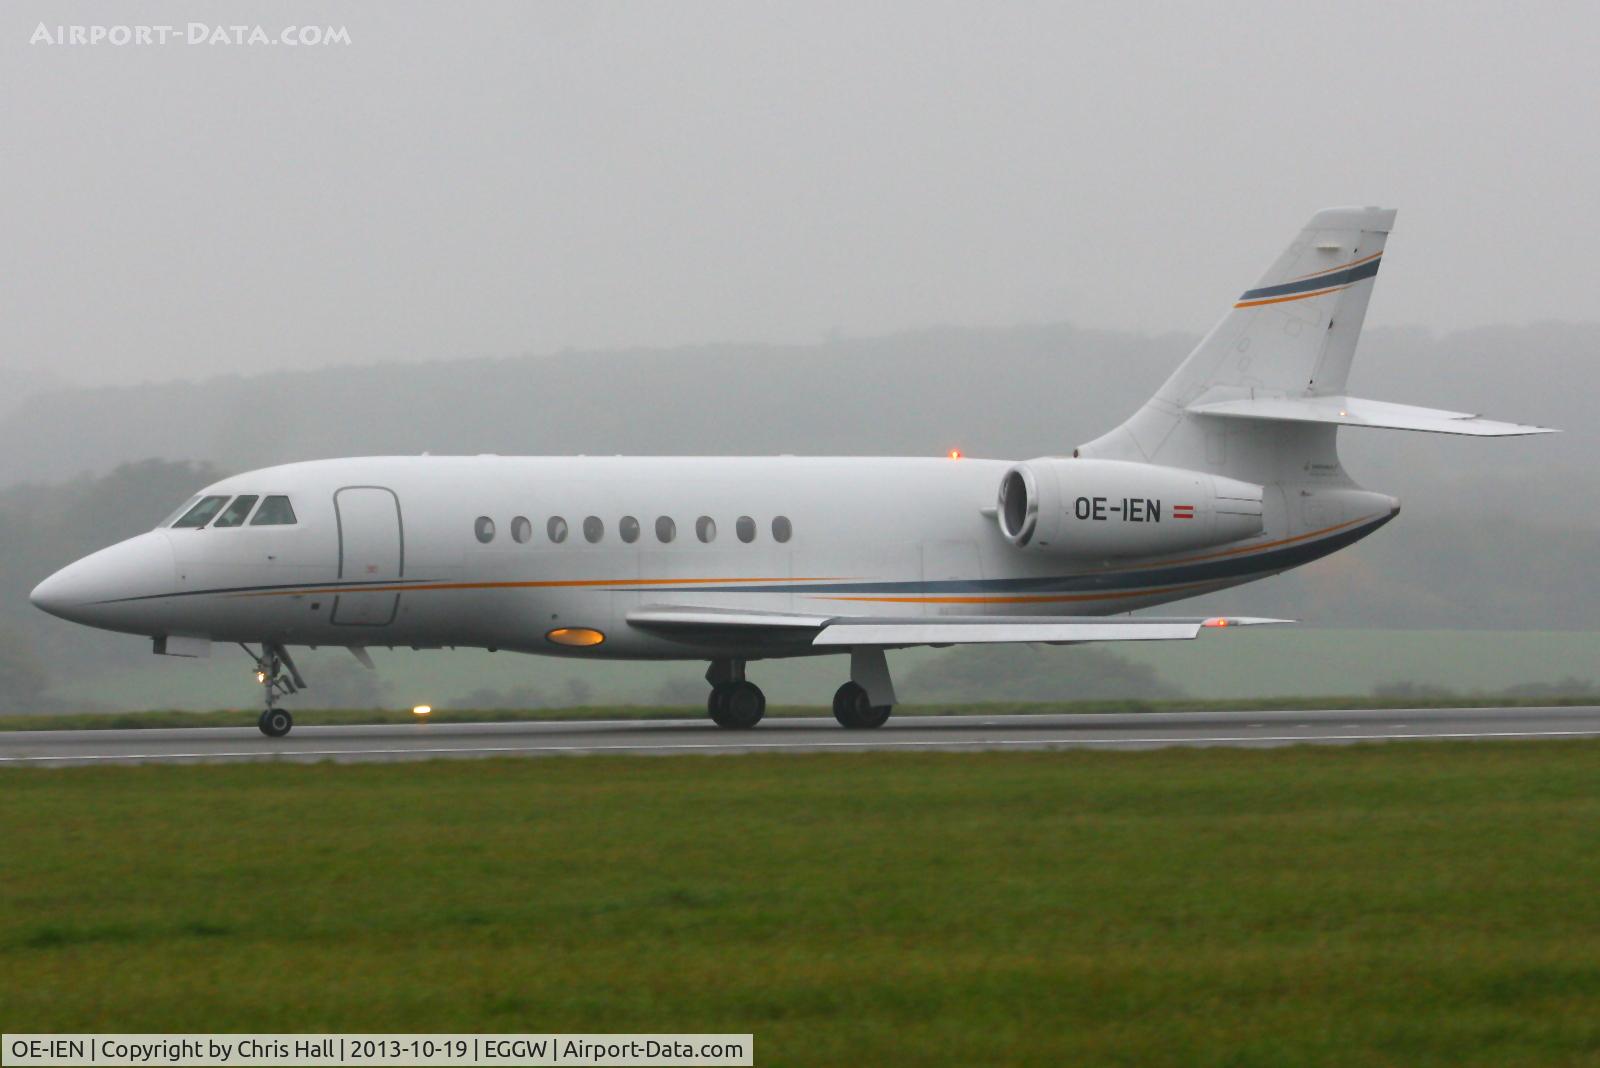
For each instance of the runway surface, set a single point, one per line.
(426, 741)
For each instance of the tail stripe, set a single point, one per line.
(1295, 296)
(1340, 267)
(1335, 280)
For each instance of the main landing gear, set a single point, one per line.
(278, 676)
(855, 711)
(863, 703)
(735, 703)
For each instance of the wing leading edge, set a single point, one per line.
(715, 626)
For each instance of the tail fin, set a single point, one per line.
(1293, 334)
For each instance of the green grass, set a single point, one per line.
(172, 717)
(1403, 904)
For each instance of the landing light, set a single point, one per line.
(261, 676)
(422, 710)
(575, 636)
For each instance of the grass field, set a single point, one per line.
(1403, 904)
(173, 717)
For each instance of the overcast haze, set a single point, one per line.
(523, 178)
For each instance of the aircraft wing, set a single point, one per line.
(713, 626)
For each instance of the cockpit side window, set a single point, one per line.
(201, 513)
(275, 511)
(234, 514)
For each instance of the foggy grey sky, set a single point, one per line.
(498, 179)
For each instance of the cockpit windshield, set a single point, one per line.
(180, 510)
(233, 515)
(201, 513)
(197, 512)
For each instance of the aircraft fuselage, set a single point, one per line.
(431, 552)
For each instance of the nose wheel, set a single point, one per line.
(276, 722)
(278, 676)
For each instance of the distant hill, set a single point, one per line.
(1016, 392)
(18, 386)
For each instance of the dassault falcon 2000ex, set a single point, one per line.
(1229, 473)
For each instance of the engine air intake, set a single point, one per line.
(1098, 509)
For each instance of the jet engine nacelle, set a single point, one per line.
(1101, 508)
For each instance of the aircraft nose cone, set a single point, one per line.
(114, 587)
(52, 595)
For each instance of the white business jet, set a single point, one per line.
(1230, 473)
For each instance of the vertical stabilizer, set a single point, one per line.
(1291, 335)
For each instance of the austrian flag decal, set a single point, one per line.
(1183, 511)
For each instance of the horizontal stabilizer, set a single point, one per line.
(1354, 411)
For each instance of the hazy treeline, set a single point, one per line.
(45, 527)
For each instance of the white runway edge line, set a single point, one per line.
(1035, 743)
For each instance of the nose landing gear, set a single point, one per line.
(278, 676)
(275, 722)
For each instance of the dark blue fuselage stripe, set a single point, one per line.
(1177, 575)
(1324, 281)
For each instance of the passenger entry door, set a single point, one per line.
(371, 552)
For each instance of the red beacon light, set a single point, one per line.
(955, 454)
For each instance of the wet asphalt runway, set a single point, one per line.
(426, 741)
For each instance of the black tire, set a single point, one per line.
(855, 711)
(717, 700)
(275, 722)
(740, 707)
